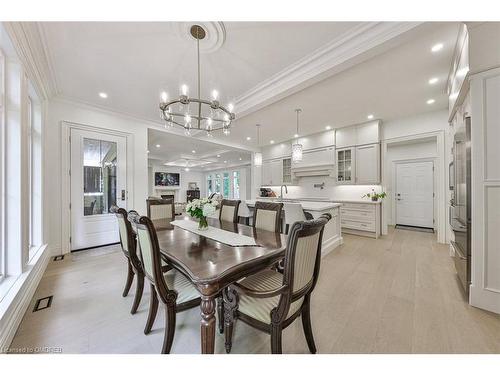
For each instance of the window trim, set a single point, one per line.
(2, 166)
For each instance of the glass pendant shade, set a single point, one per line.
(296, 152)
(257, 159)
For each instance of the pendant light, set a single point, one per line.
(257, 157)
(297, 147)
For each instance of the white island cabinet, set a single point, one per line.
(332, 236)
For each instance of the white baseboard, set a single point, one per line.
(18, 298)
(484, 299)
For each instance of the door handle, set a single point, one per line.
(123, 195)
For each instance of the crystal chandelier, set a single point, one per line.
(297, 147)
(207, 115)
(257, 158)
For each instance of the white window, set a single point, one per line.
(236, 185)
(34, 172)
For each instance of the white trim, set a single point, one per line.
(31, 48)
(439, 165)
(332, 58)
(18, 298)
(394, 185)
(66, 127)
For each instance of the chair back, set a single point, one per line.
(302, 261)
(243, 210)
(267, 216)
(161, 211)
(229, 210)
(149, 251)
(127, 237)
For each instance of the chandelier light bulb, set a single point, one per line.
(184, 89)
(164, 97)
(187, 119)
(215, 94)
(230, 107)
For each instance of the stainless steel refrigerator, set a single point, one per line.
(460, 209)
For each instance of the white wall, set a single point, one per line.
(59, 111)
(405, 151)
(419, 124)
(185, 179)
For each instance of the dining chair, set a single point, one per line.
(229, 210)
(292, 212)
(270, 301)
(171, 288)
(129, 249)
(161, 212)
(267, 216)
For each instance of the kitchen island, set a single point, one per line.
(332, 236)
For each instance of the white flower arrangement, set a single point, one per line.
(201, 208)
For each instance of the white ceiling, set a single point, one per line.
(134, 62)
(176, 150)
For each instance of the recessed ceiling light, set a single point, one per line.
(249, 138)
(218, 156)
(437, 47)
(194, 151)
(430, 101)
(369, 117)
(147, 151)
(271, 142)
(186, 169)
(328, 127)
(433, 80)
(157, 146)
(241, 159)
(296, 136)
(103, 95)
(225, 161)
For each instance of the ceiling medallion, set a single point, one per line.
(196, 113)
(297, 147)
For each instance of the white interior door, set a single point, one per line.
(415, 194)
(98, 180)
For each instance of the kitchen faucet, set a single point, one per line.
(281, 191)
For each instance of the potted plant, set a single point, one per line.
(200, 209)
(375, 196)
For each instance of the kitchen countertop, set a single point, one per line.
(322, 200)
(306, 205)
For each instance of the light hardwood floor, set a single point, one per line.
(397, 294)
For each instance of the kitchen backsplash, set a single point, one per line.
(330, 190)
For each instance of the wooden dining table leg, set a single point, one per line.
(207, 307)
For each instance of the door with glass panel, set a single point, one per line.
(98, 181)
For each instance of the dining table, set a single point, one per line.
(212, 265)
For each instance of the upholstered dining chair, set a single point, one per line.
(171, 288)
(161, 212)
(271, 301)
(128, 245)
(229, 210)
(267, 216)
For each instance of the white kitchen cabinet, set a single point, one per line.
(358, 134)
(361, 218)
(313, 158)
(272, 172)
(346, 166)
(367, 164)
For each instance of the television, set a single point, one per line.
(167, 179)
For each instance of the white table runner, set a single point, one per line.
(220, 235)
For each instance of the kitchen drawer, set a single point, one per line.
(359, 215)
(351, 224)
(359, 206)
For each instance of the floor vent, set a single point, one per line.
(43, 303)
(58, 257)
(415, 229)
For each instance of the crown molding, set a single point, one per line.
(28, 40)
(326, 61)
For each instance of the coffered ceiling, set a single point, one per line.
(337, 72)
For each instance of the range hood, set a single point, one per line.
(314, 170)
(319, 162)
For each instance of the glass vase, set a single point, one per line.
(203, 223)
